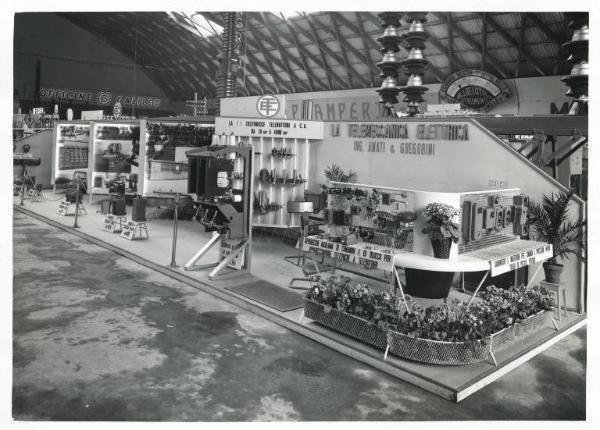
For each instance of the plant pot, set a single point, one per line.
(553, 272)
(428, 284)
(441, 247)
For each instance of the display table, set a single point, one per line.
(494, 260)
(461, 263)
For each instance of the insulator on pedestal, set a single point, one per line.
(391, 60)
(578, 48)
(415, 63)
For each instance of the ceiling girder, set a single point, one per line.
(302, 53)
(312, 21)
(323, 49)
(474, 44)
(524, 51)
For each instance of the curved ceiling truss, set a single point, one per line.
(323, 51)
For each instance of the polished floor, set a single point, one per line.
(99, 337)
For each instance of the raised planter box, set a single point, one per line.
(522, 328)
(347, 324)
(437, 352)
(458, 353)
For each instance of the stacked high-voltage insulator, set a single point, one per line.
(229, 57)
(415, 64)
(578, 48)
(390, 63)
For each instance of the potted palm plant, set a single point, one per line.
(549, 222)
(339, 202)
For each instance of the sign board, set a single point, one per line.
(474, 89)
(63, 208)
(404, 138)
(262, 127)
(365, 255)
(102, 97)
(520, 259)
(90, 115)
(226, 248)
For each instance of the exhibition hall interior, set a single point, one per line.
(308, 216)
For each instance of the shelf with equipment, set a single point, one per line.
(165, 141)
(281, 172)
(115, 166)
(281, 165)
(70, 155)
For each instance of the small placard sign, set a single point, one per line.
(226, 249)
(357, 254)
(521, 259)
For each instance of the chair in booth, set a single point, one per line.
(303, 209)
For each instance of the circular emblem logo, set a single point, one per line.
(267, 105)
(474, 89)
(104, 97)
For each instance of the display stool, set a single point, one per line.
(559, 290)
(131, 229)
(63, 208)
(114, 223)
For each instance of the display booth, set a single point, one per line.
(442, 155)
(115, 152)
(282, 167)
(373, 227)
(165, 142)
(71, 154)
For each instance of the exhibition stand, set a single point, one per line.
(378, 227)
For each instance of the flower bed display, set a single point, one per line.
(443, 335)
(345, 323)
(458, 353)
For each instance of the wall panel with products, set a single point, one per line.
(166, 140)
(71, 153)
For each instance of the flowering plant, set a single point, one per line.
(358, 299)
(457, 322)
(517, 303)
(439, 225)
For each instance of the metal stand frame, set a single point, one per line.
(478, 288)
(219, 265)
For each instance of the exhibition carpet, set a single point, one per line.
(270, 295)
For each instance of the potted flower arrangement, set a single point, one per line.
(442, 233)
(549, 222)
(440, 228)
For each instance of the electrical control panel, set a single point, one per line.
(520, 221)
(472, 221)
(489, 215)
